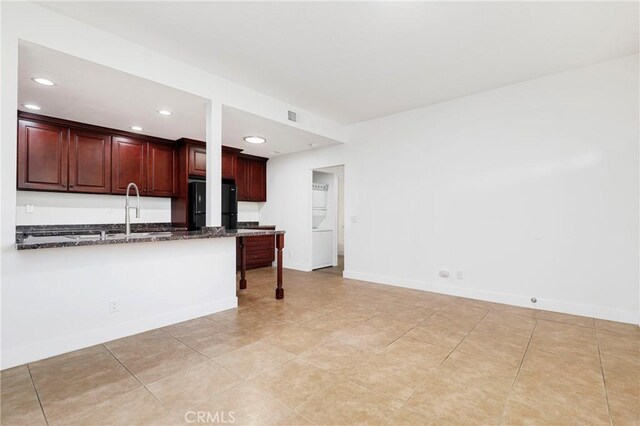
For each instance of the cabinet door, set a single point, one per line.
(241, 179)
(256, 180)
(42, 156)
(162, 175)
(197, 161)
(228, 164)
(89, 162)
(129, 164)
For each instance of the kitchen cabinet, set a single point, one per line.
(260, 251)
(197, 161)
(129, 157)
(256, 180)
(89, 162)
(42, 156)
(162, 176)
(251, 178)
(229, 158)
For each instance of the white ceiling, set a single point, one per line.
(281, 139)
(91, 93)
(353, 61)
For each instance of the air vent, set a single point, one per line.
(292, 116)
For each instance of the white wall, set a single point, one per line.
(531, 190)
(60, 208)
(249, 212)
(57, 300)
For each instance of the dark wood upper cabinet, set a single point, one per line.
(241, 179)
(229, 160)
(129, 157)
(256, 180)
(197, 161)
(89, 162)
(42, 156)
(162, 170)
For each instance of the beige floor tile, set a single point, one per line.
(388, 377)
(336, 357)
(253, 359)
(505, 353)
(366, 337)
(520, 413)
(510, 320)
(294, 382)
(438, 331)
(347, 403)
(19, 403)
(295, 339)
(16, 384)
(202, 381)
(612, 340)
(245, 404)
(295, 419)
(405, 417)
(74, 381)
(584, 394)
(618, 327)
(566, 318)
(446, 401)
(624, 410)
(21, 413)
(137, 407)
(337, 351)
(416, 352)
(478, 371)
(156, 366)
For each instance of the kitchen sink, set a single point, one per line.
(118, 236)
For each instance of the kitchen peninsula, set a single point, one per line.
(58, 236)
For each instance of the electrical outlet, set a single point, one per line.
(29, 208)
(460, 275)
(114, 306)
(444, 273)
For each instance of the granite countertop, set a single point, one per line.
(253, 225)
(54, 236)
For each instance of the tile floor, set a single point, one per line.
(343, 352)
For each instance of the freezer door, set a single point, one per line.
(229, 198)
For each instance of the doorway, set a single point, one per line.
(327, 233)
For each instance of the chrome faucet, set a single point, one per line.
(127, 218)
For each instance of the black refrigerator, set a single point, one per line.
(229, 205)
(198, 205)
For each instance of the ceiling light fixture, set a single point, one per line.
(254, 139)
(32, 106)
(43, 81)
(275, 152)
(136, 128)
(164, 112)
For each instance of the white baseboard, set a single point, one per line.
(297, 266)
(58, 346)
(600, 312)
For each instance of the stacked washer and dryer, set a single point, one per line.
(322, 238)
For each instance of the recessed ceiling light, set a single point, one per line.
(32, 106)
(43, 81)
(254, 139)
(136, 128)
(164, 112)
(275, 152)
